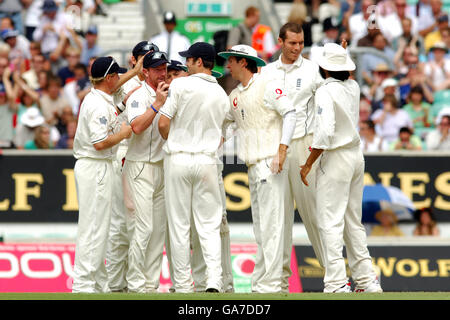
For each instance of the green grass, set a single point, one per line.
(229, 296)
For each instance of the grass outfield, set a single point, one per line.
(230, 296)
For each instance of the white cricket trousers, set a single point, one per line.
(145, 182)
(118, 242)
(305, 199)
(198, 263)
(192, 191)
(340, 183)
(93, 179)
(267, 192)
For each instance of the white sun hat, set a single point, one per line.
(333, 57)
(245, 51)
(32, 118)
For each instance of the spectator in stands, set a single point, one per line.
(415, 77)
(438, 69)
(43, 77)
(53, 102)
(439, 139)
(13, 9)
(27, 97)
(72, 56)
(41, 139)
(369, 61)
(84, 85)
(428, 21)
(66, 140)
(330, 28)
(20, 45)
(388, 224)
(7, 111)
(390, 119)
(365, 109)
(4, 65)
(421, 10)
(403, 14)
(407, 39)
(436, 36)
(71, 90)
(299, 14)
(90, 47)
(367, 40)
(388, 86)
(30, 120)
(358, 22)
(372, 88)
(418, 109)
(38, 64)
(170, 40)
(65, 117)
(426, 223)
(370, 141)
(406, 141)
(31, 17)
(242, 33)
(52, 24)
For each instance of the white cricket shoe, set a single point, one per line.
(373, 287)
(346, 288)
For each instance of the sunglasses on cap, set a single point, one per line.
(159, 55)
(107, 70)
(150, 47)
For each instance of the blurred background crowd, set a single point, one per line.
(47, 47)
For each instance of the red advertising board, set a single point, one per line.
(49, 268)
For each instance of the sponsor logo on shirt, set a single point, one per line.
(279, 92)
(235, 103)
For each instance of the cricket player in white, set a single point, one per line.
(191, 121)
(265, 119)
(176, 70)
(144, 174)
(118, 241)
(93, 170)
(340, 174)
(300, 77)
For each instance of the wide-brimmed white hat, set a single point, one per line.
(333, 57)
(32, 117)
(245, 51)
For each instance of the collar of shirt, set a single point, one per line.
(329, 80)
(205, 76)
(108, 98)
(242, 88)
(150, 89)
(297, 62)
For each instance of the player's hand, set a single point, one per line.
(344, 43)
(278, 161)
(162, 91)
(140, 64)
(126, 130)
(304, 170)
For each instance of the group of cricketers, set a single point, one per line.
(149, 171)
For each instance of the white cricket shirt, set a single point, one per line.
(96, 121)
(300, 80)
(337, 114)
(196, 105)
(146, 146)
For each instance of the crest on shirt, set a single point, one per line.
(134, 104)
(299, 83)
(235, 103)
(103, 120)
(319, 110)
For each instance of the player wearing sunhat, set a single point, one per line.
(340, 180)
(265, 120)
(191, 121)
(93, 149)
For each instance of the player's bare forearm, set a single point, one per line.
(164, 126)
(124, 133)
(141, 123)
(306, 168)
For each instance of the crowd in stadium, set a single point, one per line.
(405, 103)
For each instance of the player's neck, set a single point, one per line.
(246, 77)
(103, 87)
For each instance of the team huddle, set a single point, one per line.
(149, 170)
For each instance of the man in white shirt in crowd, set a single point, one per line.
(265, 119)
(439, 139)
(340, 178)
(118, 241)
(170, 40)
(191, 121)
(300, 77)
(144, 175)
(93, 149)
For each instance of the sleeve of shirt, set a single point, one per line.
(325, 121)
(275, 98)
(98, 125)
(169, 109)
(134, 108)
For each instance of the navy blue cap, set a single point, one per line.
(105, 65)
(155, 59)
(169, 17)
(202, 50)
(176, 65)
(330, 23)
(143, 47)
(49, 6)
